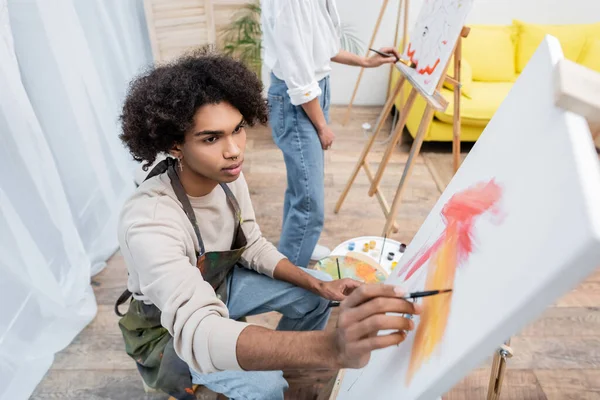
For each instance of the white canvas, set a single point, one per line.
(538, 240)
(432, 40)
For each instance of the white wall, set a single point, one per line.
(362, 15)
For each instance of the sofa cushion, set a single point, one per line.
(572, 39)
(478, 110)
(590, 56)
(491, 53)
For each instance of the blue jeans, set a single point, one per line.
(251, 293)
(304, 203)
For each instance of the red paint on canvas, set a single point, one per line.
(449, 252)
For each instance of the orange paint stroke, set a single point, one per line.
(450, 251)
(428, 69)
(366, 273)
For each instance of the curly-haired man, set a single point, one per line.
(197, 260)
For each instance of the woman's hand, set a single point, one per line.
(378, 60)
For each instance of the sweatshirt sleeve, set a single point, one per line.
(260, 254)
(204, 336)
(293, 30)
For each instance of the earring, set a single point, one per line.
(180, 164)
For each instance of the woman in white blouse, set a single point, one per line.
(301, 38)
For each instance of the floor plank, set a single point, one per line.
(560, 384)
(517, 385)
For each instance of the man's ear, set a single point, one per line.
(176, 151)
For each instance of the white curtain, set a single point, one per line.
(64, 67)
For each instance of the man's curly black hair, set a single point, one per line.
(161, 103)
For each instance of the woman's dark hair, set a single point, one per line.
(161, 103)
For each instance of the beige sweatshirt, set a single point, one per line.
(159, 246)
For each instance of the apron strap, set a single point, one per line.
(185, 203)
(158, 169)
(233, 202)
(121, 300)
(236, 208)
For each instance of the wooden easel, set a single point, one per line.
(435, 102)
(375, 30)
(498, 369)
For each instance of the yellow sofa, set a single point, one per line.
(493, 57)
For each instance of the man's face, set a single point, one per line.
(214, 146)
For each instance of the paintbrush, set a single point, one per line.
(408, 63)
(382, 53)
(337, 260)
(416, 295)
(382, 247)
(413, 295)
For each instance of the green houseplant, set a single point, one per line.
(241, 38)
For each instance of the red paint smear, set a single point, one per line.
(423, 256)
(411, 53)
(444, 41)
(459, 214)
(428, 69)
(446, 255)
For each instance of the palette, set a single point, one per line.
(365, 271)
(392, 251)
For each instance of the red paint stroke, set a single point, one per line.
(444, 42)
(449, 252)
(429, 69)
(422, 71)
(411, 53)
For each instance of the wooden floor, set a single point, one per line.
(556, 357)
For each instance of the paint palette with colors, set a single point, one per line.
(350, 267)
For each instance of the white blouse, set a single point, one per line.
(299, 38)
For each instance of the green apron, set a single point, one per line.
(146, 340)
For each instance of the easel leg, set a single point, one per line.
(457, 90)
(414, 152)
(392, 66)
(498, 371)
(331, 390)
(393, 142)
(362, 69)
(362, 161)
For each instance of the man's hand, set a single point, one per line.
(363, 315)
(326, 137)
(338, 289)
(378, 60)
